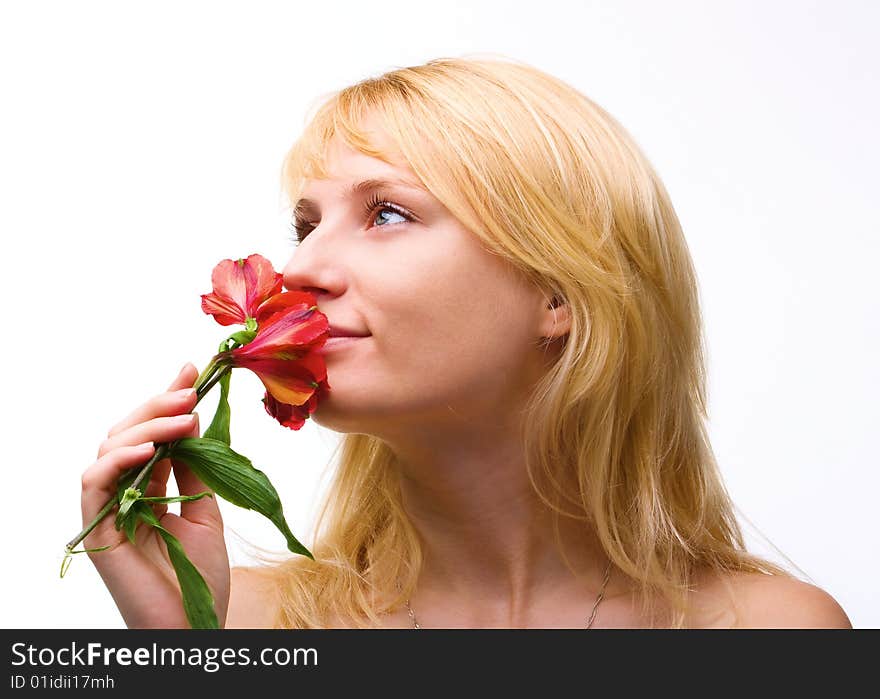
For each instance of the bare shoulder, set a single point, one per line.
(755, 600)
(253, 600)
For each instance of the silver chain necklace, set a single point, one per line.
(412, 614)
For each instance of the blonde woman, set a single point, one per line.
(521, 395)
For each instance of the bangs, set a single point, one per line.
(344, 115)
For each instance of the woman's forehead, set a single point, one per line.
(340, 159)
(345, 166)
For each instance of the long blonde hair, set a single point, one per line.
(553, 184)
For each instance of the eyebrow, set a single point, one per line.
(367, 186)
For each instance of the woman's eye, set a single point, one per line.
(393, 211)
(377, 207)
(379, 212)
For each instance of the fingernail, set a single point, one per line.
(146, 446)
(185, 393)
(183, 369)
(184, 419)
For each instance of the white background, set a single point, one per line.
(142, 143)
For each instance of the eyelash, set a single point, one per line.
(299, 228)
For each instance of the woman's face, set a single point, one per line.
(449, 332)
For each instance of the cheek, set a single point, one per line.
(452, 328)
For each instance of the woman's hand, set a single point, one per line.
(140, 577)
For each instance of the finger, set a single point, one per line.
(99, 480)
(204, 510)
(178, 399)
(186, 378)
(161, 471)
(162, 405)
(159, 429)
(157, 489)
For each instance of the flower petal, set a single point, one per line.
(288, 381)
(228, 282)
(261, 281)
(291, 416)
(283, 302)
(225, 312)
(294, 416)
(240, 287)
(287, 332)
(290, 328)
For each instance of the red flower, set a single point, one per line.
(294, 416)
(283, 355)
(240, 287)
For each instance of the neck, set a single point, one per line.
(488, 541)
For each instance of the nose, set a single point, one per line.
(314, 270)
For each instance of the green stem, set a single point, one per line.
(206, 374)
(210, 376)
(214, 379)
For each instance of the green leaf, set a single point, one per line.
(219, 427)
(129, 497)
(131, 521)
(234, 478)
(198, 602)
(122, 486)
(130, 525)
(178, 498)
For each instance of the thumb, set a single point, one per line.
(202, 511)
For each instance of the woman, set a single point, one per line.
(522, 396)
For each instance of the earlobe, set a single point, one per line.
(558, 321)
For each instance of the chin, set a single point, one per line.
(331, 417)
(352, 419)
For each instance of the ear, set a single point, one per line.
(555, 319)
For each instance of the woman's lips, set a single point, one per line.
(339, 331)
(334, 343)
